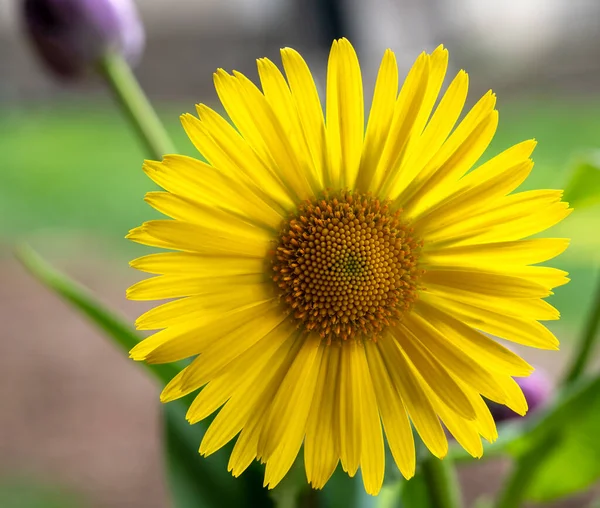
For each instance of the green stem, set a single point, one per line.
(136, 106)
(442, 483)
(585, 346)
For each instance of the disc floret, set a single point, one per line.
(347, 266)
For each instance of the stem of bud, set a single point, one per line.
(137, 108)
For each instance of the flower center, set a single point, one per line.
(347, 266)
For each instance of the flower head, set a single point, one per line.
(72, 35)
(333, 283)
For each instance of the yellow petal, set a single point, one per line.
(406, 111)
(320, 453)
(434, 373)
(197, 264)
(434, 135)
(438, 63)
(522, 329)
(451, 167)
(420, 410)
(372, 453)
(515, 399)
(239, 373)
(481, 348)
(517, 252)
(186, 210)
(212, 303)
(254, 117)
(252, 401)
(456, 361)
(229, 152)
(308, 107)
(345, 112)
(280, 99)
(497, 165)
(393, 413)
(205, 337)
(542, 276)
(349, 409)
(454, 158)
(465, 201)
(170, 313)
(244, 451)
(380, 119)
(485, 284)
(533, 308)
(485, 424)
(178, 285)
(332, 120)
(186, 236)
(225, 346)
(289, 409)
(464, 431)
(511, 218)
(202, 183)
(246, 446)
(186, 330)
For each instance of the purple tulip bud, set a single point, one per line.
(72, 35)
(537, 390)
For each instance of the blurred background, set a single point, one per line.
(79, 422)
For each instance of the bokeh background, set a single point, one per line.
(80, 423)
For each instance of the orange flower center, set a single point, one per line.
(347, 266)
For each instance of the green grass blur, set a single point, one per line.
(76, 168)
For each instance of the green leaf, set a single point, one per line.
(570, 461)
(574, 463)
(583, 188)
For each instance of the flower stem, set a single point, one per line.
(590, 334)
(136, 106)
(442, 482)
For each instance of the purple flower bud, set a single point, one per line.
(72, 35)
(537, 390)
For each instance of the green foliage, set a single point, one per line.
(583, 187)
(415, 493)
(574, 463)
(569, 459)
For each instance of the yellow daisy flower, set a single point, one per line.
(332, 282)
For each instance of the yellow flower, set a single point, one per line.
(333, 283)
